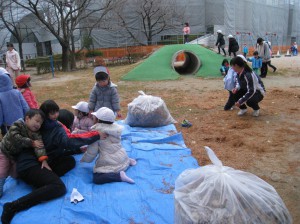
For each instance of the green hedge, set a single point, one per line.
(44, 66)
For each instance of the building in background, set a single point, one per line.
(274, 20)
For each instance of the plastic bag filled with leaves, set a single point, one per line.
(148, 111)
(216, 194)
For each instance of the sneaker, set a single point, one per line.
(274, 69)
(186, 123)
(242, 112)
(255, 113)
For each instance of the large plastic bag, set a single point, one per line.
(216, 194)
(148, 111)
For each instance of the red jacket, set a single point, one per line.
(30, 98)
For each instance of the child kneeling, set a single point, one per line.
(113, 159)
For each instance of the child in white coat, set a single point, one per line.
(113, 159)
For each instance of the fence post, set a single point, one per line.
(52, 65)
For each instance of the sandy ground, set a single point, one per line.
(267, 146)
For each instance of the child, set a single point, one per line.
(23, 84)
(58, 141)
(112, 160)
(82, 122)
(224, 67)
(13, 105)
(245, 50)
(104, 94)
(66, 117)
(24, 133)
(256, 62)
(230, 82)
(47, 185)
(294, 49)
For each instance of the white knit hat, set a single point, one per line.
(105, 114)
(242, 57)
(230, 36)
(219, 31)
(82, 106)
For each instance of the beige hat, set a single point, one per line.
(82, 106)
(230, 36)
(105, 114)
(219, 31)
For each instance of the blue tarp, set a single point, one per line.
(161, 156)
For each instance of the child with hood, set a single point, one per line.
(12, 104)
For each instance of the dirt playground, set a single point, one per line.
(267, 146)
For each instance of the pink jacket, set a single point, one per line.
(29, 97)
(186, 30)
(82, 125)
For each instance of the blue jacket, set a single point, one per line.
(12, 104)
(256, 62)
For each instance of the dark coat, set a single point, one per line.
(233, 45)
(220, 40)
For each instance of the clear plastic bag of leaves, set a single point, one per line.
(216, 194)
(148, 111)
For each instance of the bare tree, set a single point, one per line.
(63, 18)
(11, 17)
(151, 17)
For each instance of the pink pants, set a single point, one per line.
(7, 167)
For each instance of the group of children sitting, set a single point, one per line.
(50, 132)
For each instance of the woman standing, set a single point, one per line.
(13, 62)
(186, 32)
(251, 89)
(220, 42)
(233, 46)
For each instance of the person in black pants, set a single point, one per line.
(59, 146)
(251, 89)
(220, 42)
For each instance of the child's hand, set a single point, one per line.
(46, 165)
(38, 144)
(234, 91)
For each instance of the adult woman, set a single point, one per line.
(251, 89)
(220, 42)
(186, 32)
(263, 50)
(233, 45)
(13, 62)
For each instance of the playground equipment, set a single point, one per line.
(185, 62)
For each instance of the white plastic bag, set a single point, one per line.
(148, 111)
(216, 194)
(76, 196)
